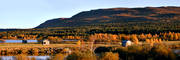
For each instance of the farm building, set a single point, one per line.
(45, 42)
(126, 43)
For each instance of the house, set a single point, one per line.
(45, 42)
(126, 43)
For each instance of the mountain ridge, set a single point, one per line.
(116, 15)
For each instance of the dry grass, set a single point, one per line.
(12, 45)
(20, 45)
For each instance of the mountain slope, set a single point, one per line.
(117, 15)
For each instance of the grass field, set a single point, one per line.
(35, 45)
(11, 45)
(167, 49)
(20, 45)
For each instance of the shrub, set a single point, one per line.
(103, 49)
(161, 52)
(22, 57)
(109, 56)
(59, 57)
(82, 56)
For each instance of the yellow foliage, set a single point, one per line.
(22, 57)
(135, 39)
(59, 57)
(78, 43)
(110, 56)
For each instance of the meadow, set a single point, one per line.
(82, 51)
(99, 46)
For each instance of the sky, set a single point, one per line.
(31, 13)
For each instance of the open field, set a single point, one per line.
(11, 45)
(165, 50)
(35, 45)
(19, 45)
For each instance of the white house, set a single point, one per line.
(126, 43)
(45, 42)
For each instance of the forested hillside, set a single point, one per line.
(115, 24)
(118, 16)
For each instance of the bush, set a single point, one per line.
(59, 57)
(22, 57)
(161, 52)
(145, 52)
(82, 56)
(102, 49)
(109, 56)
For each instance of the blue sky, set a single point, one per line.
(31, 13)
